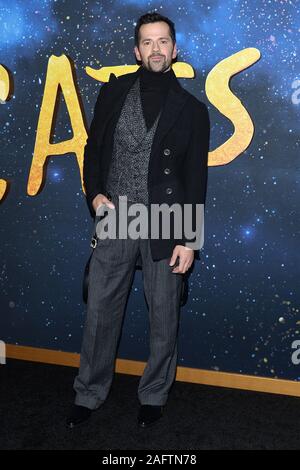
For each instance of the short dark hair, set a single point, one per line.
(153, 17)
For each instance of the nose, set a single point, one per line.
(155, 50)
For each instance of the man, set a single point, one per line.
(148, 141)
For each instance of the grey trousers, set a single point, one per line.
(112, 268)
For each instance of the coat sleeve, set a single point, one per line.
(92, 155)
(196, 168)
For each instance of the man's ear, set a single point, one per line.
(137, 54)
(175, 51)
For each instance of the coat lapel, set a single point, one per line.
(175, 100)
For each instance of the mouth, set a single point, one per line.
(156, 58)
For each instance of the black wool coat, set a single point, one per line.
(180, 146)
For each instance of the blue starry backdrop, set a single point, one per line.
(243, 310)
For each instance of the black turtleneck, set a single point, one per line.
(154, 89)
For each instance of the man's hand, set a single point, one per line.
(101, 199)
(186, 258)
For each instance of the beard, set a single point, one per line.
(157, 66)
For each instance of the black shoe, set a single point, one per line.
(149, 414)
(79, 414)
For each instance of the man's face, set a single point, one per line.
(156, 49)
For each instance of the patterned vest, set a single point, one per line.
(128, 173)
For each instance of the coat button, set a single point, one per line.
(167, 151)
(167, 171)
(169, 190)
